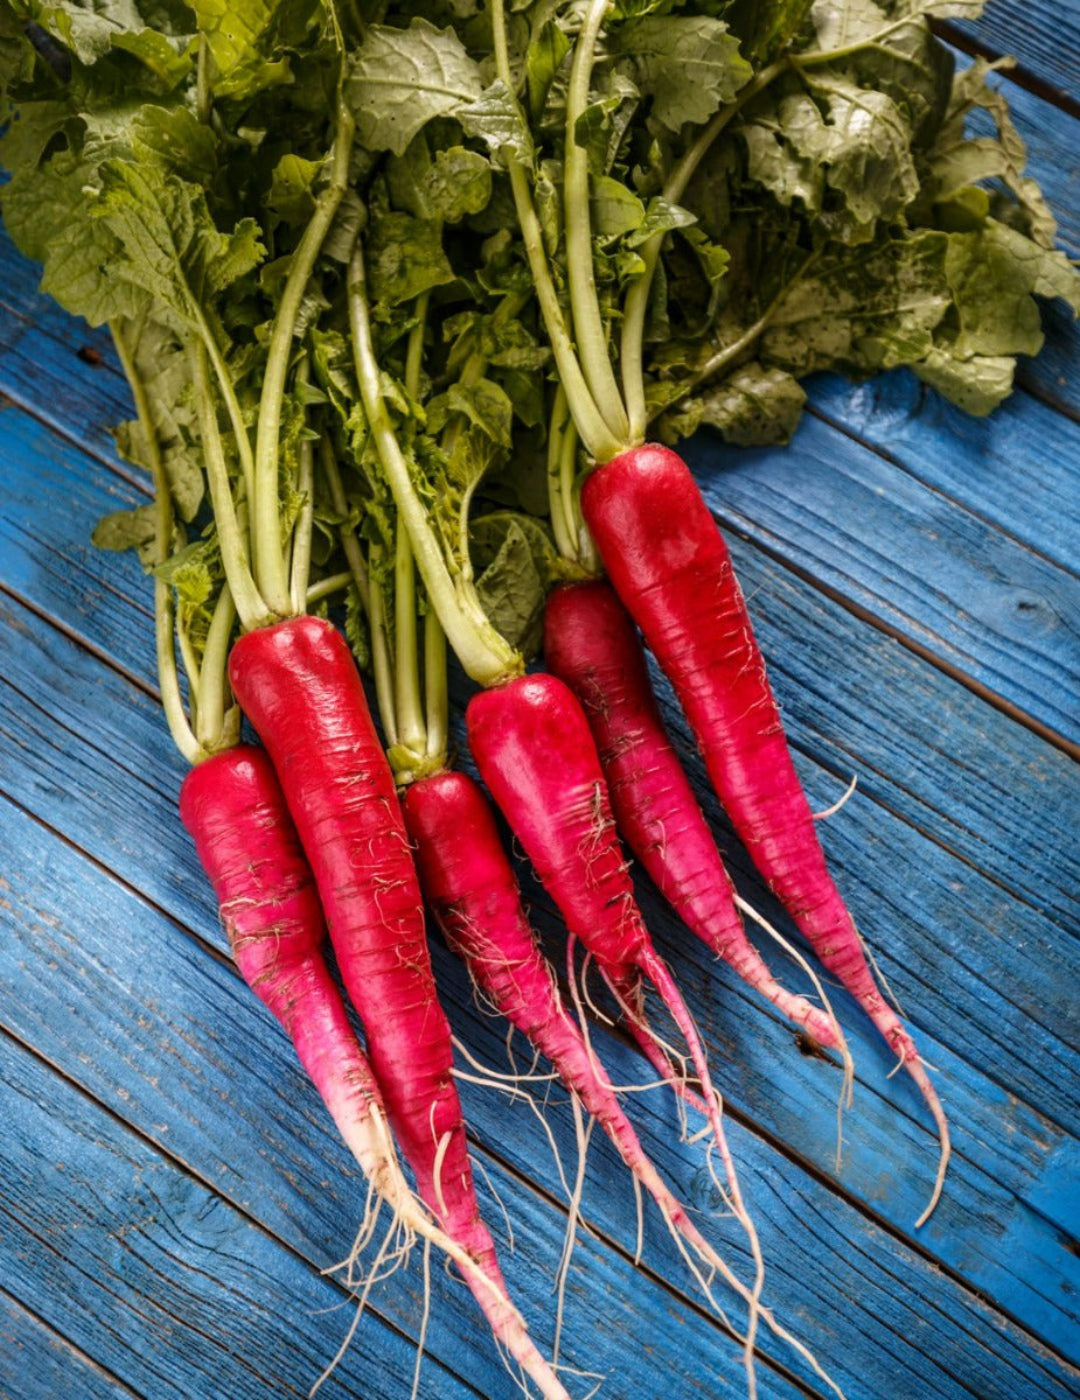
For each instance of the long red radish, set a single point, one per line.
(298, 684)
(471, 888)
(532, 744)
(671, 568)
(591, 643)
(235, 811)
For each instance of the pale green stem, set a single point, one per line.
(636, 305)
(266, 524)
(414, 355)
(485, 655)
(190, 661)
(584, 550)
(214, 689)
(588, 321)
(436, 689)
(202, 81)
(371, 598)
(327, 587)
(600, 442)
(380, 655)
(354, 555)
(300, 567)
(249, 602)
(408, 706)
(232, 403)
(168, 678)
(560, 527)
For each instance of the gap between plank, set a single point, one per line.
(71, 1346)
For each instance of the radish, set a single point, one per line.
(671, 567)
(592, 645)
(664, 555)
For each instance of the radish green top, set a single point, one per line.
(607, 218)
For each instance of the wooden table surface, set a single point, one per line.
(171, 1191)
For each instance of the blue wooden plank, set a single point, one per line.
(37, 1363)
(109, 801)
(188, 1060)
(1013, 469)
(1043, 35)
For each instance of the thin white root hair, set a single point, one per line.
(582, 1133)
(583, 1026)
(510, 1241)
(840, 801)
(424, 1318)
(493, 1075)
(847, 1086)
(369, 1283)
(639, 1209)
(868, 953)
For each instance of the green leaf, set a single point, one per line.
(993, 275)
(248, 40)
(977, 384)
(47, 213)
(485, 404)
(863, 143)
(754, 406)
(543, 59)
(405, 258)
(688, 65)
(125, 529)
(496, 119)
(292, 188)
(175, 139)
(661, 217)
(863, 310)
(403, 78)
(514, 557)
(615, 209)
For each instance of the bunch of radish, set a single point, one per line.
(397, 330)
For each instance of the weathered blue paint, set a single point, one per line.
(171, 1188)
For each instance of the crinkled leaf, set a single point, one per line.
(977, 384)
(688, 65)
(868, 309)
(248, 40)
(46, 212)
(513, 556)
(403, 78)
(754, 406)
(993, 275)
(175, 139)
(485, 404)
(496, 119)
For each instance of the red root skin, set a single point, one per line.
(299, 686)
(591, 643)
(234, 808)
(671, 569)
